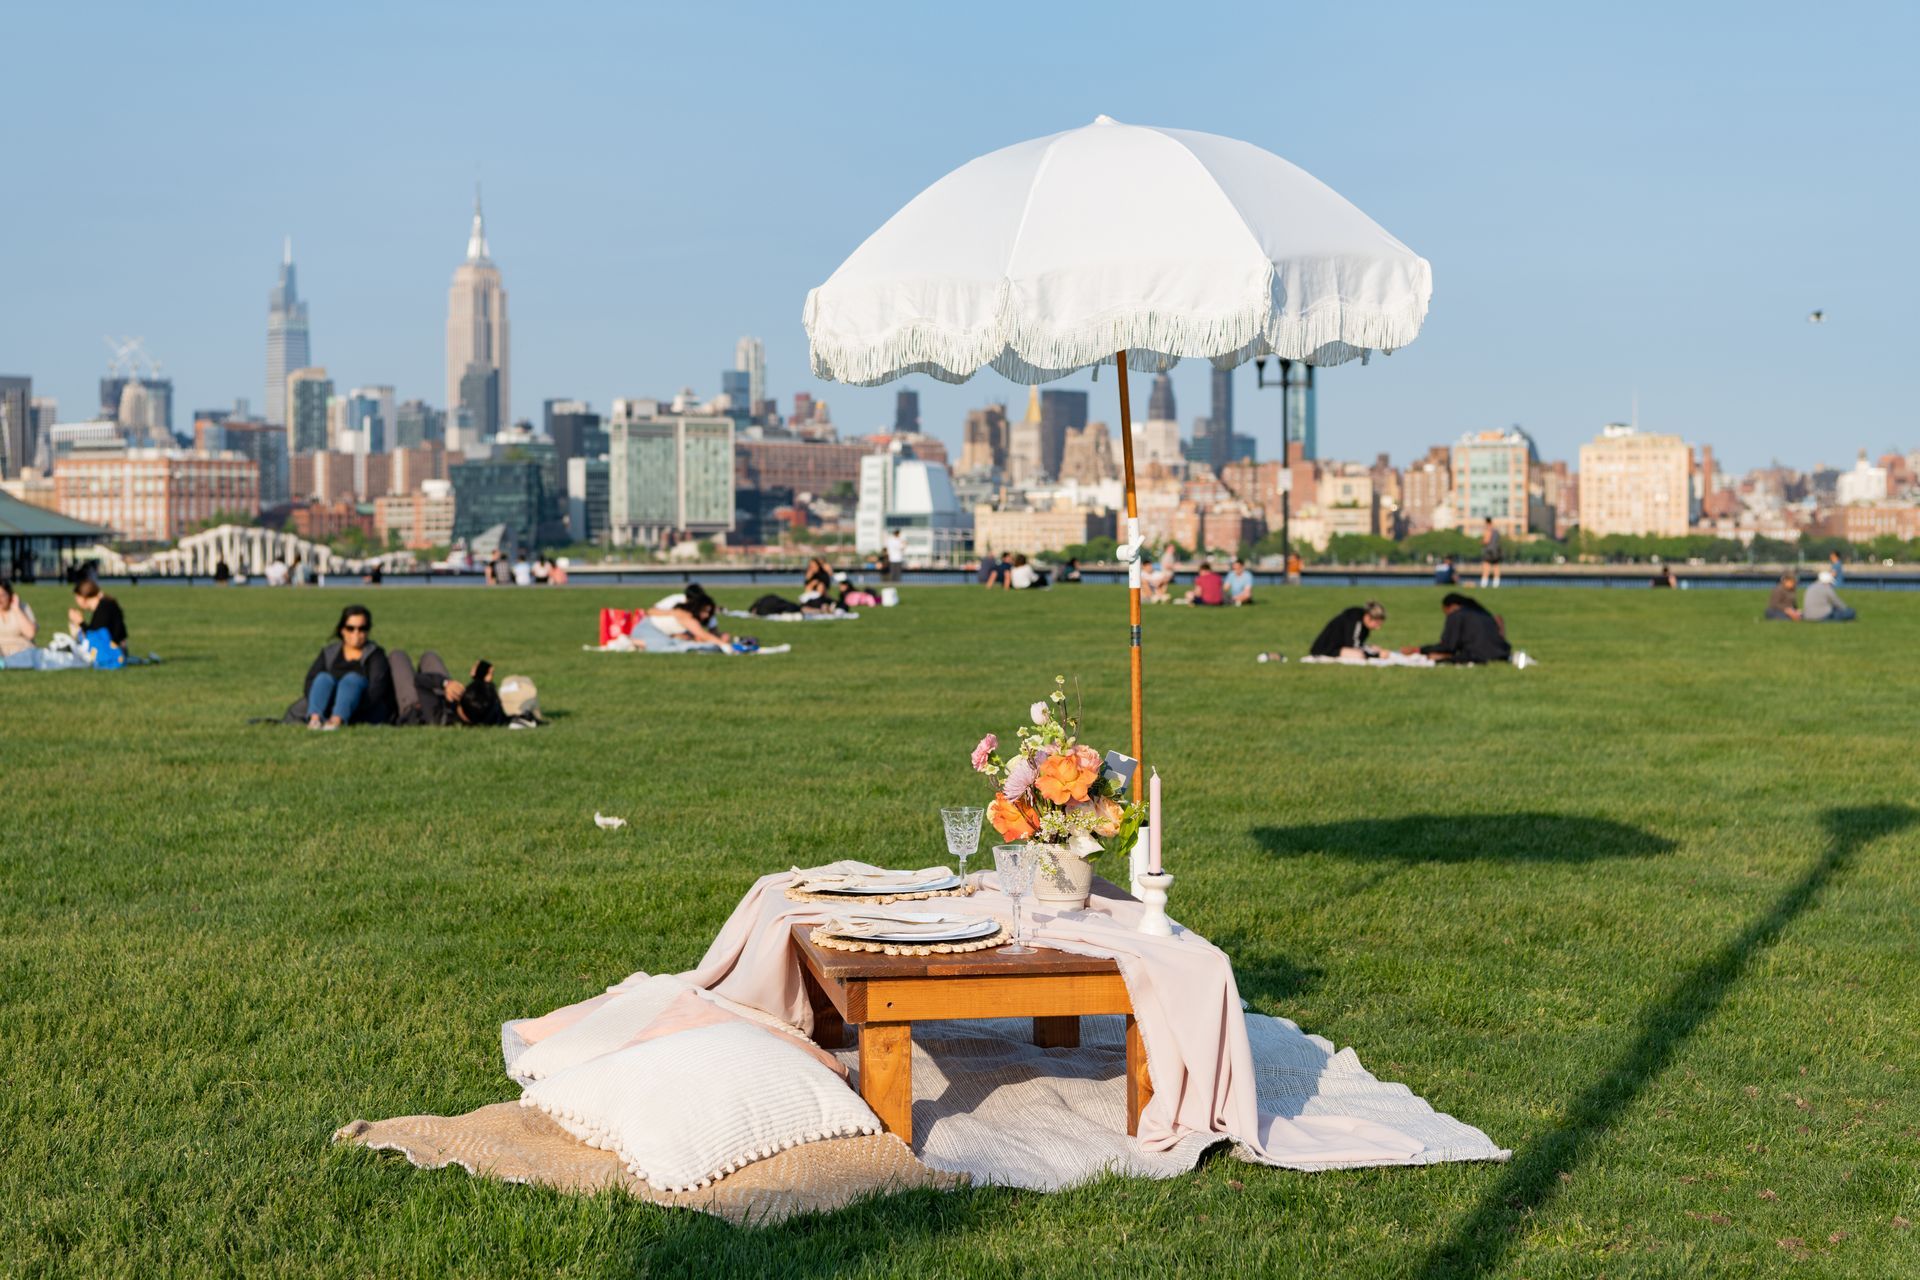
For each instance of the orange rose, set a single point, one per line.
(1012, 821)
(1064, 780)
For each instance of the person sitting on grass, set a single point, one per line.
(1240, 583)
(18, 626)
(1470, 635)
(1350, 634)
(1824, 603)
(1208, 589)
(1157, 581)
(350, 681)
(93, 611)
(997, 572)
(1446, 573)
(1024, 576)
(818, 591)
(1783, 605)
(1666, 578)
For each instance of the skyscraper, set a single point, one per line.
(415, 422)
(750, 358)
(370, 417)
(737, 386)
(287, 347)
(1220, 422)
(1060, 412)
(477, 339)
(1160, 403)
(1303, 418)
(308, 391)
(575, 430)
(17, 445)
(1025, 455)
(906, 412)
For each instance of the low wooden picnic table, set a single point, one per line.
(883, 996)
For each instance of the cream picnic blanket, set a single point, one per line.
(1199, 1051)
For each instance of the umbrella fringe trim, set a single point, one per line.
(1330, 333)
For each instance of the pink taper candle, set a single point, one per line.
(1153, 822)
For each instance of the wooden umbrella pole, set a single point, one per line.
(1133, 579)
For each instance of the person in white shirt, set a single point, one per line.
(276, 573)
(522, 571)
(896, 555)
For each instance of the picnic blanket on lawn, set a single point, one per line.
(992, 1106)
(711, 650)
(843, 616)
(1388, 659)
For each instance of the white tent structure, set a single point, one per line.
(1122, 244)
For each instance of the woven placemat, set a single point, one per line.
(874, 900)
(821, 938)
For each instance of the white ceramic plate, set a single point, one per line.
(930, 886)
(962, 931)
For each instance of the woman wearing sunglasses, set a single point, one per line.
(350, 682)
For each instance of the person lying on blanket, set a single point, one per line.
(1350, 634)
(1471, 634)
(680, 621)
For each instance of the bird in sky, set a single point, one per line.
(1816, 317)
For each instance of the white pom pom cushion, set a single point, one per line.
(687, 1109)
(608, 1027)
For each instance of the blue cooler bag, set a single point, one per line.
(105, 656)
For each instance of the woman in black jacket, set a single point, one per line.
(350, 682)
(1351, 631)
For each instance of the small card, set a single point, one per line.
(1119, 770)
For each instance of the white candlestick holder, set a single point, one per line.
(1153, 892)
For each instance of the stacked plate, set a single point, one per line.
(911, 927)
(931, 885)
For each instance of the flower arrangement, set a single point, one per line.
(1055, 790)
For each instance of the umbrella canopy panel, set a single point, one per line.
(1052, 255)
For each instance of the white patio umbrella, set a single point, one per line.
(1116, 243)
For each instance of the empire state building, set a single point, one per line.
(478, 401)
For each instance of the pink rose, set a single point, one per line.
(1087, 758)
(983, 753)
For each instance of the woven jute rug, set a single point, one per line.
(512, 1143)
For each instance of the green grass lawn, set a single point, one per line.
(1644, 913)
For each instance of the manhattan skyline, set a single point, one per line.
(1620, 203)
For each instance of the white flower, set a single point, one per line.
(1057, 696)
(1039, 712)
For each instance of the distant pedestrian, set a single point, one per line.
(222, 572)
(1666, 577)
(1294, 567)
(522, 571)
(896, 547)
(1446, 573)
(1490, 555)
(1836, 568)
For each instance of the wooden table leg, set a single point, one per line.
(886, 1074)
(1057, 1033)
(1139, 1084)
(829, 1029)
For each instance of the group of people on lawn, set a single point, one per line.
(94, 617)
(1469, 635)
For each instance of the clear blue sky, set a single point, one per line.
(1616, 198)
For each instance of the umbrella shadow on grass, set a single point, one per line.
(1471, 837)
(1480, 1242)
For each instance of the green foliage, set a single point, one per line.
(1641, 924)
(1093, 551)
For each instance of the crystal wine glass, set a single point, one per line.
(963, 833)
(1015, 864)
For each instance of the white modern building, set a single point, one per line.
(900, 492)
